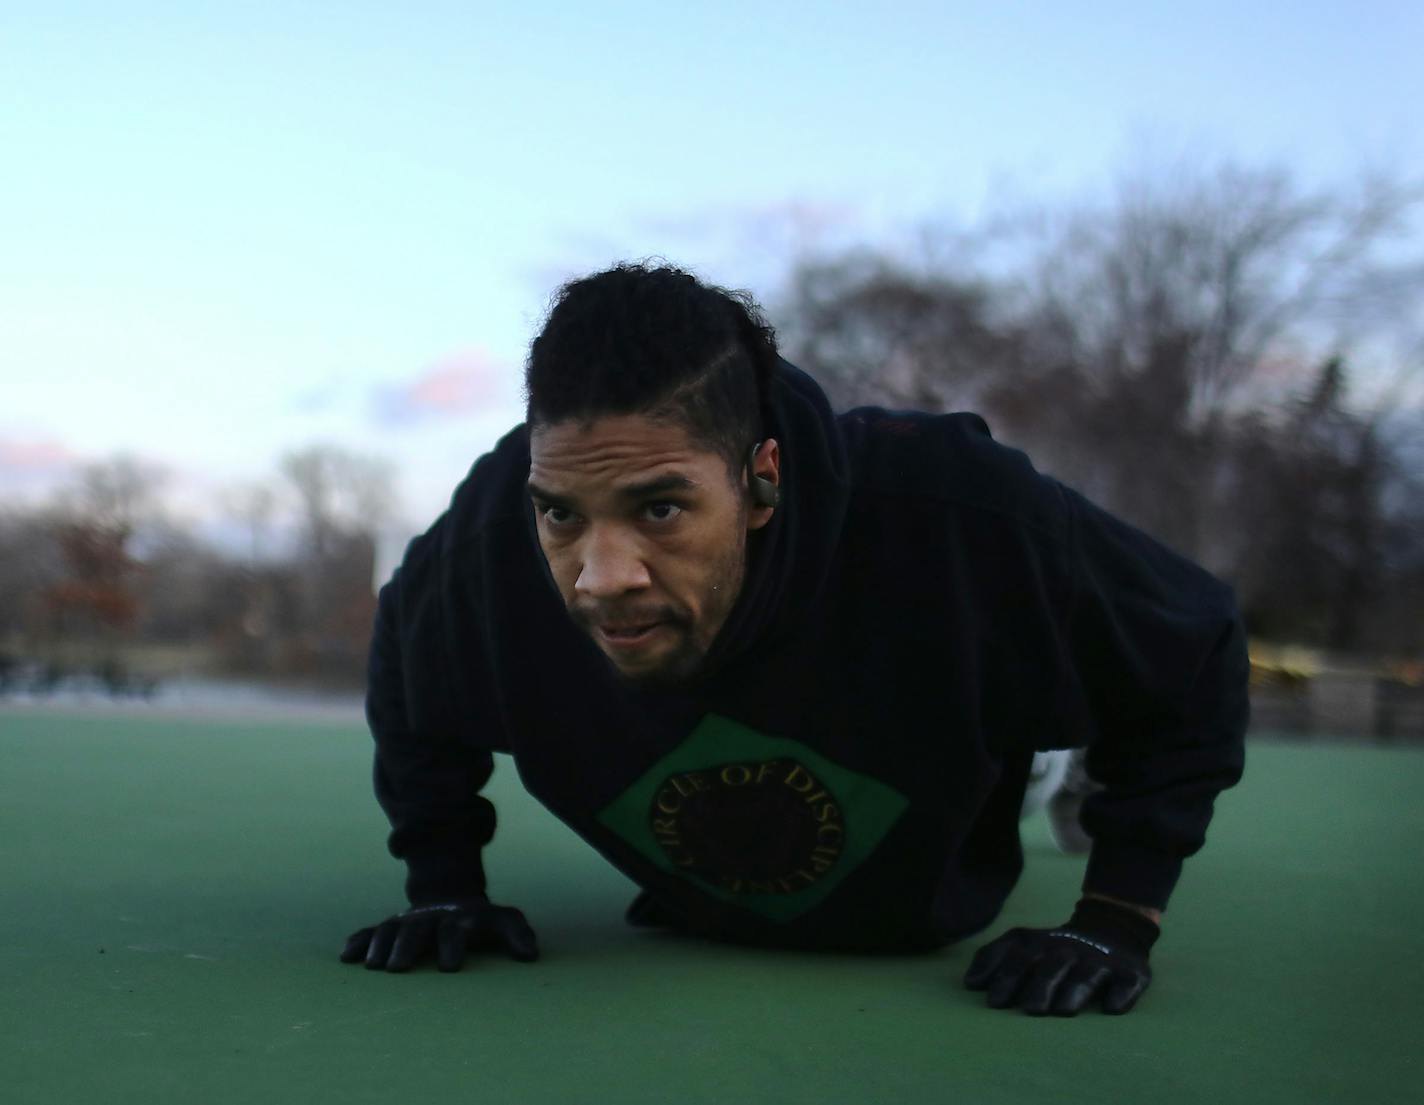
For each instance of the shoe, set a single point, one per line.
(1045, 776)
(1065, 805)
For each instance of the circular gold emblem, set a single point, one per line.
(767, 827)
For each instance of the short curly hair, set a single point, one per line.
(655, 340)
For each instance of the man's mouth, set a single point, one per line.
(628, 636)
(629, 630)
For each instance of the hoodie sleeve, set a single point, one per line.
(427, 781)
(1158, 657)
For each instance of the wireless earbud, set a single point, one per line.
(763, 491)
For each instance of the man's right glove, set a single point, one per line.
(448, 929)
(1101, 953)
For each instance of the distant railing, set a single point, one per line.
(1305, 698)
(1336, 696)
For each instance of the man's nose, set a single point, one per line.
(612, 564)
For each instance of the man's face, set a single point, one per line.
(645, 532)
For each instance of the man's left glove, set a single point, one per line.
(1101, 953)
(446, 930)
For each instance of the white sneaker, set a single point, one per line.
(1066, 803)
(1045, 776)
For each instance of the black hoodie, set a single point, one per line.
(922, 613)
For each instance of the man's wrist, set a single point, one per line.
(1153, 915)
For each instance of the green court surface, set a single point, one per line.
(175, 893)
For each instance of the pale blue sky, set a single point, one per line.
(231, 230)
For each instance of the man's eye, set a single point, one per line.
(661, 512)
(556, 515)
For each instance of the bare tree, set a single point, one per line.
(120, 494)
(345, 501)
(94, 525)
(1179, 350)
(338, 492)
(253, 506)
(1316, 486)
(1189, 282)
(877, 331)
(31, 562)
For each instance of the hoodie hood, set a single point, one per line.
(790, 559)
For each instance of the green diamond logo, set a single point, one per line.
(760, 821)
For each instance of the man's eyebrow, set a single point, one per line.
(673, 481)
(537, 492)
(661, 485)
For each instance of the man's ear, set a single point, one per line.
(763, 482)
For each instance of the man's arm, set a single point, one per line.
(1156, 686)
(428, 783)
(1159, 656)
(1153, 915)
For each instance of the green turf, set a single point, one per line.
(175, 894)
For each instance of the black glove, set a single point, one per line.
(449, 929)
(1100, 953)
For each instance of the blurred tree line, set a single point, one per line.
(101, 582)
(1225, 359)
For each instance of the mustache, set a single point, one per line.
(590, 615)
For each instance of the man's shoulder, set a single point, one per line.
(491, 495)
(948, 459)
(494, 489)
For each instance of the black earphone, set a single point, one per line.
(763, 491)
